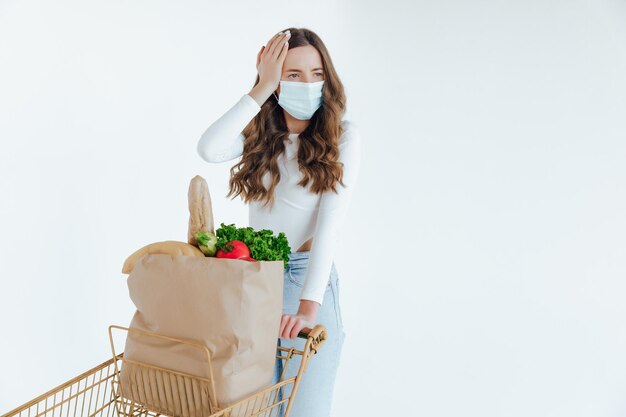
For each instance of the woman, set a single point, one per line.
(296, 152)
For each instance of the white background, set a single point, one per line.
(484, 261)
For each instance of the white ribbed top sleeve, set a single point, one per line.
(331, 217)
(223, 140)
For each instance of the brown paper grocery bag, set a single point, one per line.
(233, 307)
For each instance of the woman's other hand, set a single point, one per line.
(290, 325)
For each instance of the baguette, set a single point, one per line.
(170, 247)
(200, 211)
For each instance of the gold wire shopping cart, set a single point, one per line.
(97, 392)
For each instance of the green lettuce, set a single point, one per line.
(264, 245)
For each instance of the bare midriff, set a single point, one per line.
(305, 246)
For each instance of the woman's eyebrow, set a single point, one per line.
(297, 70)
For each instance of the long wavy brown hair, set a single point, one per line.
(318, 152)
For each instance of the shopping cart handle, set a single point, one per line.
(317, 333)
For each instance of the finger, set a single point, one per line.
(271, 42)
(277, 42)
(273, 37)
(293, 332)
(283, 54)
(280, 48)
(296, 328)
(258, 56)
(283, 323)
(288, 328)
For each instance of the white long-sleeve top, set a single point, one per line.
(297, 212)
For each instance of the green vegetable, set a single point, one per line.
(206, 242)
(263, 244)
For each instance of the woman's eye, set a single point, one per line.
(321, 74)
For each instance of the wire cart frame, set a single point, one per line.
(97, 392)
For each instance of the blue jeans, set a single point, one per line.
(315, 391)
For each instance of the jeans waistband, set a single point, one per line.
(298, 258)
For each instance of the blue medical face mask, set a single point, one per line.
(299, 99)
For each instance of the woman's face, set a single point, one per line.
(302, 64)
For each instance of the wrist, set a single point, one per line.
(308, 308)
(261, 93)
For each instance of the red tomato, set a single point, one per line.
(247, 258)
(235, 249)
